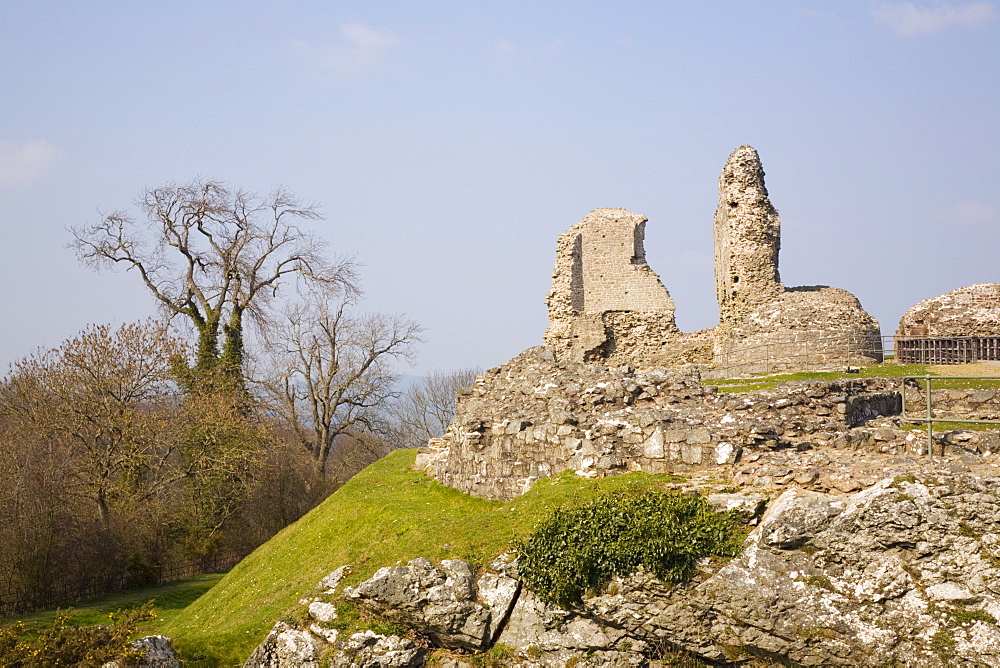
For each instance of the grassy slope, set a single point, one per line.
(386, 513)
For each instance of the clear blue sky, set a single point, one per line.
(450, 143)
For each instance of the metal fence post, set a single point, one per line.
(930, 418)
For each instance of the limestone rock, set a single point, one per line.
(552, 634)
(330, 583)
(498, 593)
(794, 518)
(158, 652)
(440, 603)
(879, 577)
(750, 504)
(285, 647)
(371, 650)
(322, 612)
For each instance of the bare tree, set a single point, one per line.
(215, 256)
(101, 398)
(333, 372)
(426, 408)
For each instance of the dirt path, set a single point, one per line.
(979, 369)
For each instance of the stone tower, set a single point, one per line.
(747, 239)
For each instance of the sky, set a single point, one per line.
(448, 144)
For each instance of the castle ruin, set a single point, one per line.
(599, 399)
(764, 326)
(607, 306)
(747, 240)
(957, 327)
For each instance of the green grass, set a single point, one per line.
(771, 382)
(168, 600)
(385, 514)
(947, 383)
(941, 426)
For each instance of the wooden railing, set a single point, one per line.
(946, 350)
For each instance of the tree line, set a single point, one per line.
(259, 390)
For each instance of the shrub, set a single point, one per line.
(67, 645)
(581, 549)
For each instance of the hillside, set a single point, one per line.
(386, 513)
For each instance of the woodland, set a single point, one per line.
(262, 386)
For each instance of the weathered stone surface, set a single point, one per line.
(970, 311)
(606, 305)
(954, 403)
(882, 577)
(285, 647)
(552, 634)
(498, 593)
(795, 516)
(322, 612)
(158, 652)
(750, 504)
(330, 583)
(764, 326)
(371, 650)
(440, 603)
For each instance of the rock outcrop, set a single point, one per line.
(157, 652)
(284, 647)
(448, 605)
(905, 573)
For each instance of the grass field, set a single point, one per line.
(770, 382)
(168, 600)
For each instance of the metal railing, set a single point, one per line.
(928, 416)
(794, 354)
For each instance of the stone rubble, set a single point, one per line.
(535, 417)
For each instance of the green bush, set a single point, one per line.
(581, 549)
(66, 645)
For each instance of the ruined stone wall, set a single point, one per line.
(535, 417)
(606, 304)
(968, 311)
(804, 327)
(764, 326)
(747, 239)
(948, 403)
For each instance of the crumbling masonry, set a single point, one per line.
(597, 398)
(759, 318)
(606, 306)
